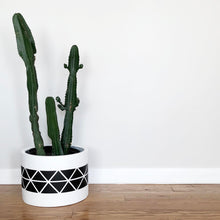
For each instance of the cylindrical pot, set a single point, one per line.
(50, 181)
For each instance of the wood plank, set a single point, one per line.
(119, 202)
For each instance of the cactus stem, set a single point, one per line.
(52, 125)
(71, 100)
(26, 49)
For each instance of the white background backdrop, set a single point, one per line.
(149, 90)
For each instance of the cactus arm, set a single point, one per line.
(71, 100)
(26, 49)
(61, 106)
(52, 126)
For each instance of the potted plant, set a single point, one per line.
(54, 175)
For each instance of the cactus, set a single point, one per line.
(52, 126)
(26, 49)
(71, 100)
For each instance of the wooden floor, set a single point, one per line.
(119, 202)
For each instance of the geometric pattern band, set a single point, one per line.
(59, 181)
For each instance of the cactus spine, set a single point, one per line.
(52, 126)
(71, 100)
(26, 49)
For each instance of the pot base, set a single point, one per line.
(54, 200)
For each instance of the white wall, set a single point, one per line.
(150, 89)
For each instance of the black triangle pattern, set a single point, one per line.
(83, 184)
(77, 174)
(87, 178)
(25, 174)
(31, 172)
(68, 173)
(76, 182)
(58, 176)
(30, 187)
(24, 183)
(83, 169)
(39, 185)
(58, 185)
(68, 188)
(86, 169)
(47, 174)
(54, 181)
(49, 189)
(38, 176)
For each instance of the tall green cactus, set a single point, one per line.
(71, 100)
(52, 125)
(26, 49)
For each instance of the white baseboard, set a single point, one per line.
(10, 176)
(138, 176)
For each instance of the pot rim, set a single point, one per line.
(82, 150)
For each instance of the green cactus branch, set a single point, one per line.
(61, 106)
(26, 49)
(71, 100)
(52, 126)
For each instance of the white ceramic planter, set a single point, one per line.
(50, 181)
